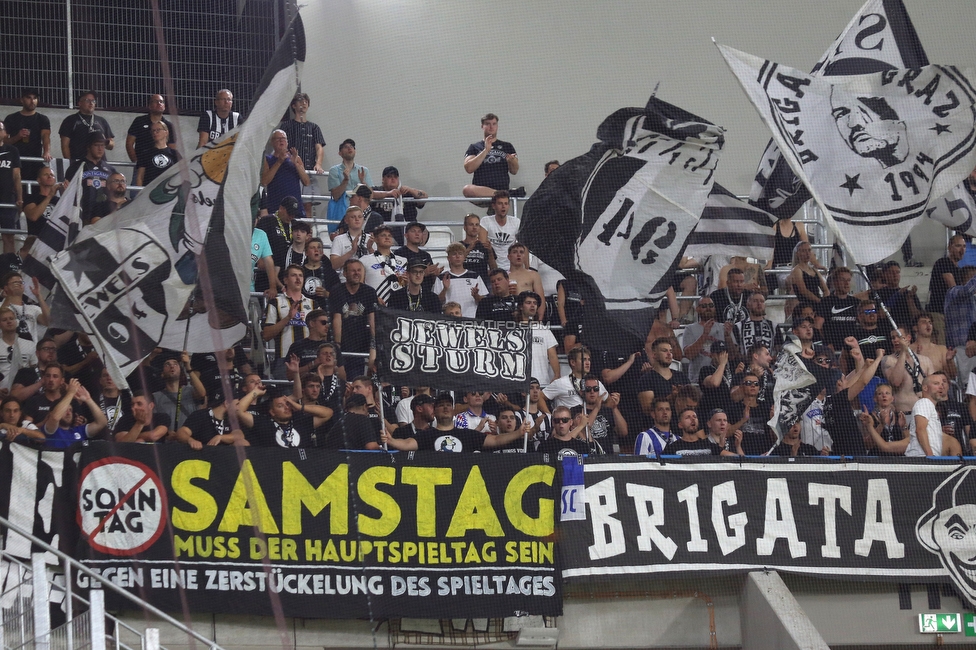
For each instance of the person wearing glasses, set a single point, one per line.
(28, 315)
(750, 417)
(608, 429)
(94, 174)
(114, 198)
(76, 130)
(15, 352)
(28, 380)
(872, 332)
(565, 439)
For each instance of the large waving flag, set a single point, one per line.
(616, 218)
(128, 280)
(956, 210)
(873, 149)
(59, 231)
(879, 37)
(729, 226)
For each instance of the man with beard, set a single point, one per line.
(142, 423)
(660, 380)
(76, 130)
(94, 172)
(608, 429)
(839, 309)
(116, 197)
(690, 444)
(565, 439)
(730, 301)
(754, 330)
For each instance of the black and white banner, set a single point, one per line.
(617, 218)
(731, 227)
(873, 149)
(879, 37)
(956, 210)
(910, 521)
(127, 280)
(447, 353)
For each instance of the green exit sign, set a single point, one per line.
(969, 624)
(939, 623)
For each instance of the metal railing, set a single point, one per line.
(38, 584)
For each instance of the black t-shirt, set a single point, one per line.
(266, 432)
(324, 276)
(79, 128)
(421, 255)
(748, 333)
(785, 451)
(279, 237)
(35, 227)
(493, 171)
(496, 308)
(11, 262)
(840, 422)
(157, 161)
(141, 130)
(561, 448)
(38, 407)
(700, 447)
(303, 136)
(27, 376)
(9, 161)
(354, 309)
(728, 310)
(755, 434)
(956, 414)
(455, 440)
(427, 301)
(871, 340)
(714, 398)
(840, 317)
(653, 380)
(93, 184)
(127, 421)
(477, 259)
(203, 424)
(33, 147)
(352, 431)
(937, 286)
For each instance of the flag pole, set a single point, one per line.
(525, 434)
(379, 393)
(880, 304)
(186, 338)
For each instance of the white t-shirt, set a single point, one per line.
(971, 384)
(561, 392)
(381, 267)
(926, 408)
(542, 340)
(459, 291)
(692, 333)
(501, 237)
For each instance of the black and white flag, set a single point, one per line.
(879, 37)
(449, 353)
(616, 218)
(873, 149)
(792, 390)
(955, 210)
(731, 227)
(128, 280)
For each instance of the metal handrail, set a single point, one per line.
(81, 568)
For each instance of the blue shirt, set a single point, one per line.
(337, 207)
(960, 312)
(64, 438)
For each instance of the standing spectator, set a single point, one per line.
(140, 139)
(904, 371)
(29, 380)
(20, 353)
(76, 130)
(499, 304)
(754, 330)
(699, 337)
(524, 277)
(287, 424)
(278, 228)
(320, 277)
(362, 198)
(804, 280)
(141, 423)
(94, 174)
(945, 275)
(501, 228)
(159, 155)
(39, 405)
(608, 428)
(353, 307)
(660, 380)
(750, 417)
(479, 257)
(415, 235)
(416, 296)
(940, 356)
(285, 320)
(175, 400)
(901, 301)
(652, 441)
(116, 196)
(839, 309)
(307, 138)
(40, 203)
(690, 444)
(60, 428)
(871, 333)
(924, 428)
(490, 161)
(30, 132)
(960, 322)
(459, 284)
(301, 232)
(343, 177)
(393, 207)
(568, 389)
(730, 301)
(306, 350)
(29, 316)
(550, 167)
(565, 440)
(384, 269)
(283, 174)
(214, 124)
(352, 244)
(11, 191)
(545, 363)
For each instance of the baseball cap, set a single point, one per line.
(290, 205)
(391, 171)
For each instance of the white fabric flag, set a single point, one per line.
(873, 149)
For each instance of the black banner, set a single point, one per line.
(327, 535)
(877, 520)
(423, 349)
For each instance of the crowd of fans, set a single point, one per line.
(702, 384)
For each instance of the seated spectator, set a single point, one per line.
(142, 423)
(59, 426)
(490, 161)
(213, 427)
(287, 424)
(14, 427)
(653, 440)
(94, 172)
(690, 443)
(416, 296)
(215, 123)
(77, 131)
(159, 156)
(946, 273)
(459, 284)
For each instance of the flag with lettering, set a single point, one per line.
(732, 227)
(873, 149)
(60, 229)
(793, 390)
(955, 210)
(173, 268)
(615, 220)
(879, 37)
